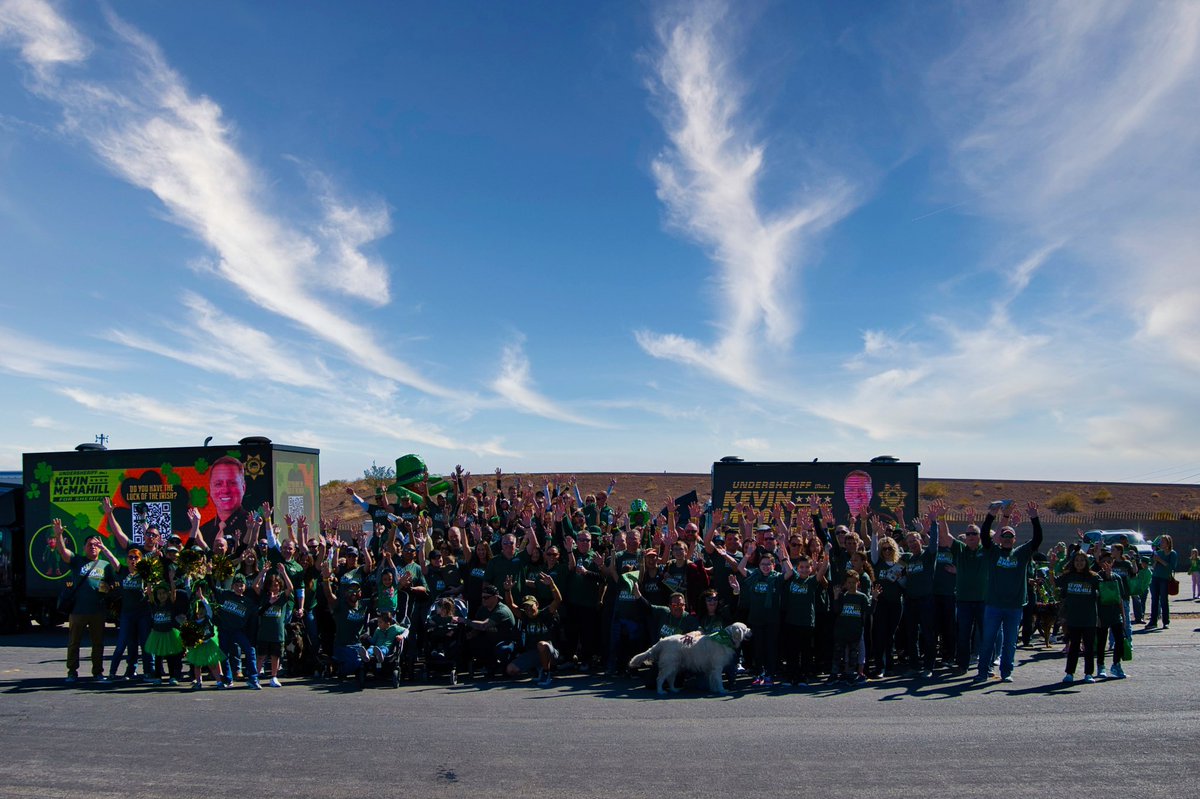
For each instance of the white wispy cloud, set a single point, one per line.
(149, 129)
(45, 39)
(1076, 123)
(150, 412)
(709, 181)
(753, 444)
(26, 356)
(221, 344)
(514, 384)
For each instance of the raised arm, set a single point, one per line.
(60, 541)
(1036, 542)
(114, 526)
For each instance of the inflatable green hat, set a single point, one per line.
(639, 512)
(411, 469)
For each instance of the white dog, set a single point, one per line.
(707, 654)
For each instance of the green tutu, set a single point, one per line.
(206, 654)
(164, 644)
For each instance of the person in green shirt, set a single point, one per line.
(970, 588)
(920, 612)
(234, 611)
(1007, 585)
(762, 593)
(849, 613)
(274, 589)
(1113, 594)
(91, 578)
(1194, 571)
(1165, 560)
(1079, 588)
(349, 618)
(801, 585)
(491, 632)
(387, 638)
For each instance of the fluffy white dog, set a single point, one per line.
(707, 654)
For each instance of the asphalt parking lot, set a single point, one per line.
(587, 736)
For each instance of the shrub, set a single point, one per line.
(1102, 496)
(977, 493)
(1065, 503)
(999, 486)
(1154, 495)
(932, 491)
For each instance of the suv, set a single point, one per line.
(1132, 539)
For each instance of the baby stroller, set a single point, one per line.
(442, 643)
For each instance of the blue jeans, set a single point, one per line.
(1006, 621)
(1159, 600)
(231, 641)
(628, 627)
(970, 625)
(132, 631)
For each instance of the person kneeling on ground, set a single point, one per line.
(537, 631)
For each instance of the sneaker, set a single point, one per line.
(197, 685)
(1150, 625)
(927, 674)
(72, 678)
(1006, 678)
(860, 678)
(757, 682)
(274, 683)
(767, 682)
(1069, 678)
(222, 685)
(544, 682)
(453, 677)
(255, 685)
(1101, 674)
(101, 677)
(1088, 678)
(1118, 671)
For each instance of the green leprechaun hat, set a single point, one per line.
(639, 512)
(411, 469)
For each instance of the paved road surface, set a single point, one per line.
(588, 737)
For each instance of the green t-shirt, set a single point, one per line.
(663, 623)
(850, 612)
(162, 618)
(761, 596)
(89, 575)
(386, 636)
(919, 572)
(944, 578)
(133, 592)
(627, 606)
(890, 577)
(584, 589)
(799, 601)
(234, 611)
(1007, 579)
(972, 566)
(348, 622)
(1080, 598)
(272, 616)
(500, 567)
(504, 624)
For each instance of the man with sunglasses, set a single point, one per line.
(1007, 588)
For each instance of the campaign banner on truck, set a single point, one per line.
(148, 488)
(850, 487)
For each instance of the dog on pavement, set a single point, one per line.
(706, 654)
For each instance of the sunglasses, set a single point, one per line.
(971, 532)
(710, 599)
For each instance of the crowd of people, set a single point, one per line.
(507, 580)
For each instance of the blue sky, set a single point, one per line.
(615, 236)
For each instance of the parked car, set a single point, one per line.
(1132, 539)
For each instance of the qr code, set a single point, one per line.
(296, 507)
(151, 514)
